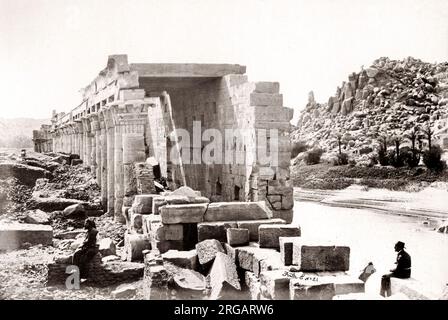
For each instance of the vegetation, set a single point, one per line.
(298, 147)
(313, 156)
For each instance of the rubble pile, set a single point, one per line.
(391, 96)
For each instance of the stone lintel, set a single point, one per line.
(186, 70)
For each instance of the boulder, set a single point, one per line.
(207, 250)
(75, 211)
(237, 237)
(37, 217)
(269, 234)
(107, 247)
(183, 259)
(224, 279)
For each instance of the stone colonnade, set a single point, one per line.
(110, 142)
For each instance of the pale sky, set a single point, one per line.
(49, 49)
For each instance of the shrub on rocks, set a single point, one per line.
(432, 159)
(313, 156)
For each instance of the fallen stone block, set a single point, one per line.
(157, 203)
(150, 222)
(156, 280)
(37, 217)
(14, 236)
(183, 259)
(230, 251)
(215, 230)
(134, 244)
(343, 283)
(180, 199)
(107, 247)
(223, 277)
(252, 226)
(75, 211)
(110, 259)
(286, 249)
(164, 232)
(186, 191)
(250, 257)
(269, 234)
(76, 162)
(253, 284)
(143, 203)
(188, 284)
(228, 211)
(124, 291)
(52, 203)
(237, 237)
(207, 250)
(166, 245)
(186, 213)
(308, 255)
(310, 289)
(275, 284)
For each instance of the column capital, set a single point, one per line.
(86, 124)
(132, 111)
(94, 121)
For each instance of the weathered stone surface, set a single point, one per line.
(14, 236)
(269, 234)
(275, 284)
(251, 258)
(136, 222)
(308, 255)
(107, 247)
(266, 99)
(37, 217)
(228, 211)
(252, 226)
(167, 232)
(188, 283)
(207, 250)
(134, 244)
(165, 245)
(185, 213)
(75, 211)
(253, 285)
(124, 291)
(143, 203)
(237, 236)
(267, 87)
(305, 289)
(215, 230)
(24, 174)
(183, 259)
(155, 282)
(157, 203)
(286, 249)
(223, 277)
(52, 203)
(151, 222)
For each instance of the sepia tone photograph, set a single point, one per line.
(251, 150)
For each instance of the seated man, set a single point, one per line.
(403, 269)
(87, 250)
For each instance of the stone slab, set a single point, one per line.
(237, 236)
(252, 226)
(14, 236)
(207, 250)
(183, 259)
(228, 211)
(183, 213)
(215, 230)
(269, 235)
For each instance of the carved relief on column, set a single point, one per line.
(110, 133)
(133, 118)
(103, 160)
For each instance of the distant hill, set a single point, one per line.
(18, 132)
(388, 98)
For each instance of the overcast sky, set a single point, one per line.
(49, 49)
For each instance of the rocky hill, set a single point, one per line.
(18, 132)
(389, 97)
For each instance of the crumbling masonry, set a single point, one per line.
(130, 109)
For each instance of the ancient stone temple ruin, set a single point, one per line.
(130, 112)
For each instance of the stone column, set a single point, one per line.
(134, 118)
(87, 141)
(103, 161)
(96, 147)
(94, 126)
(110, 133)
(118, 164)
(81, 140)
